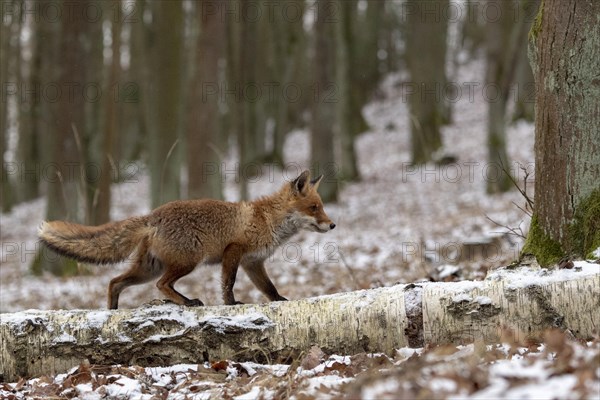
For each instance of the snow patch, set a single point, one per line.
(97, 319)
(223, 324)
(525, 277)
(64, 338)
(483, 300)
(461, 297)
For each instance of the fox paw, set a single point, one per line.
(194, 303)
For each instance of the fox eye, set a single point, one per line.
(314, 207)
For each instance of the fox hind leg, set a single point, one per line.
(145, 268)
(173, 274)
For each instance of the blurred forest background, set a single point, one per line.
(90, 87)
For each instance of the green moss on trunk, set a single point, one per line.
(547, 250)
(585, 229)
(582, 239)
(537, 23)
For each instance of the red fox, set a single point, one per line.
(174, 238)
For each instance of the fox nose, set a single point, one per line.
(331, 225)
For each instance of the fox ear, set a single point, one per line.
(316, 182)
(299, 184)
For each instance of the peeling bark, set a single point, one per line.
(33, 343)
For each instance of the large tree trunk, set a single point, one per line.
(288, 39)
(347, 124)
(6, 180)
(564, 52)
(368, 34)
(504, 38)
(426, 44)
(205, 144)
(247, 105)
(323, 110)
(97, 168)
(377, 320)
(28, 110)
(473, 27)
(66, 183)
(130, 143)
(166, 108)
(524, 80)
(104, 154)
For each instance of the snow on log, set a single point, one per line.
(525, 301)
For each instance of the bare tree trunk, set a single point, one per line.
(49, 54)
(564, 55)
(245, 79)
(347, 122)
(505, 38)
(367, 34)
(28, 108)
(102, 197)
(6, 53)
(288, 37)
(134, 132)
(37, 343)
(323, 109)
(66, 186)
(524, 80)
(205, 144)
(426, 42)
(100, 117)
(166, 108)
(473, 26)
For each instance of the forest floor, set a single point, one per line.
(397, 225)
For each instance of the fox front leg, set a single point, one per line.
(258, 275)
(231, 260)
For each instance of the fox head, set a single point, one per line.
(308, 206)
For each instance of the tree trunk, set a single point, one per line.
(28, 109)
(564, 55)
(347, 123)
(66, 184)
(205, 144)
(505, 38)
(525, 84)
(426, 42)
(6, 180)
(245, 81)
(323, 109)
(105, 116)
(130, 143)
(287, 36)
(377, 320)
(473, 27)
(367, 34)
(102, 199)
(166, 108)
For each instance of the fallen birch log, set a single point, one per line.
(35, 343)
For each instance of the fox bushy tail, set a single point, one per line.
(104, 244)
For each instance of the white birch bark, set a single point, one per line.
(34, 343)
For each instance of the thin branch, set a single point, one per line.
(513, 231)
(522, 209)
(516, 184)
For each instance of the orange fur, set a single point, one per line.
(174, 238)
